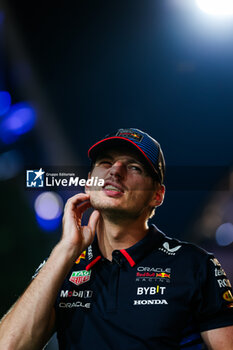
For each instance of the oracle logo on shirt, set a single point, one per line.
(77, 304)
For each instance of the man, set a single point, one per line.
(130, 286)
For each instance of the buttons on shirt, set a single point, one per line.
(117, 258)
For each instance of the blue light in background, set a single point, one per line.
(5, 102)
(11, 163)
(48, 225)
(20, 119)
(224, 234)
(48, 207)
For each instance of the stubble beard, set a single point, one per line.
(114, 213)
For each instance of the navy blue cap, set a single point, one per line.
(148, 147)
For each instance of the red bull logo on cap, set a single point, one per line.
(128, 133)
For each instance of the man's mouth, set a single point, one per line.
(112, 189)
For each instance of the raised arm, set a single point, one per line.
(31, 321)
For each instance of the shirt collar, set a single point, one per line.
(132, 254)
(142, 248)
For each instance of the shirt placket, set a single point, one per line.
(113, 285)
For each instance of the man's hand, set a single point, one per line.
(74, 235)
(31, 321)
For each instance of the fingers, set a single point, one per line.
(78, 204)
(76, 200)
(82, 207)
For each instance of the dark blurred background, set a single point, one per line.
(71, 73)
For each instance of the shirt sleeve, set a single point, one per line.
(214, 300)
(38, 269)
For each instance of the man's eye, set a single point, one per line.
(135, 168)
(105, 162)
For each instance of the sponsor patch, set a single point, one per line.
(152, 274)
(150, 290)
(227, 296)
(77, 304)
(80, 277)
(130, 134)
(89, 252)
(215, 262)
(219, 272)
(82, 256)
(150, 302)
(170, 251)
(224, 283)
(73, 293)
(163, 275)
(153, 269)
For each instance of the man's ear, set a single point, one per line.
(86, 186)
(158, 196)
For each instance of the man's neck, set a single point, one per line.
(112, 236)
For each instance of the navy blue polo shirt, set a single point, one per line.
(158, 294)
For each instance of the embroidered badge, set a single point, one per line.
(80, 277)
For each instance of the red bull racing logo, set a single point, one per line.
(163, 275)
(153, 274)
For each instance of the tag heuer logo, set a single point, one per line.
(80, 277)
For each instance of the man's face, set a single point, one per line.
(129, 191)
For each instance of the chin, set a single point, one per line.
(104, 205)
(114, 210)
(103, 202)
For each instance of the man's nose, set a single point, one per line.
(118, 169)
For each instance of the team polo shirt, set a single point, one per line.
(158, 294)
